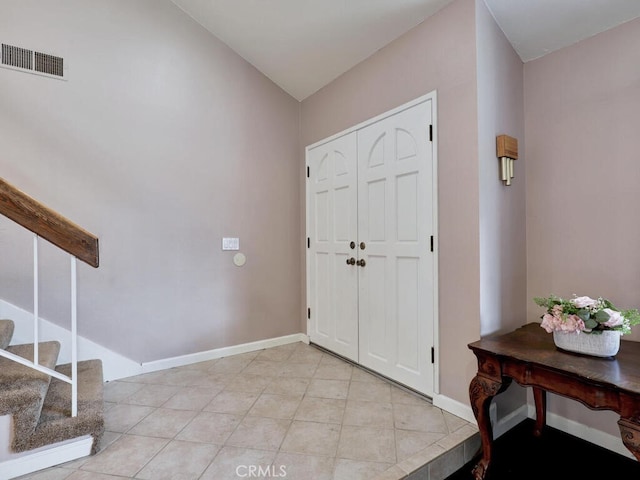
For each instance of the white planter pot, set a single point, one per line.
(605, 344)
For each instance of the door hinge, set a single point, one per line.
(307, 172)
(431, 133)
(433, 355)
(432, 243)
(308, 242)
(309, 312)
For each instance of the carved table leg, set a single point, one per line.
(630, 432)
(540, 397)
(481, 390)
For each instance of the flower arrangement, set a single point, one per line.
(585, 314)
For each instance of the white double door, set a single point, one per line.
(371, 271)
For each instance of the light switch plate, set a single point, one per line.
(230, 243)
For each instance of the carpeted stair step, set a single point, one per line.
(23, 390)
(56, 423)
(6, 333)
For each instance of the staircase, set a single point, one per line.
(40, 405)
(49, 413)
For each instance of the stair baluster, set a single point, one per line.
(36, 313)
(74, 339)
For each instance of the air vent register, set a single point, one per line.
(32, 61)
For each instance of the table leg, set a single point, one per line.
(630, 432)
(540, 398)
(481, 390)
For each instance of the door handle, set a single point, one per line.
(351, 261)
(361, 263)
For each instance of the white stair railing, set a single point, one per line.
(35, 364)
(80, 244)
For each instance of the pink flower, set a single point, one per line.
(584, 302)
(572, 323)
(556, 311)
(548, 322)
(615, 318)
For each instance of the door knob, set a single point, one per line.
(361, 263)
(362, 246)
(351, 261)
(352, 245)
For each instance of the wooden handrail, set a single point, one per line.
(44, 222)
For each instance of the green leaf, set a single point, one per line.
(583, 313)
(632, 315)
(590, 323)
(602, 316)
(540, 301)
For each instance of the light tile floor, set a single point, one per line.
(292, 412)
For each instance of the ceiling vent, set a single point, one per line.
(25, 60)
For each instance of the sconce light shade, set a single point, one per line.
(507, 151)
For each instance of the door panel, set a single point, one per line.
(375, 307)
(375, 197)
(406, 212)
(332, 225)
(408, 314)
(396, 222)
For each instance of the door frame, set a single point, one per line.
(432, 96)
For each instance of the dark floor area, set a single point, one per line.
(518, 455)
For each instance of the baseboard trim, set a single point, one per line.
(222, 352)
(507, 422)
(454, 407)
(114, 365)
(46, 457)
(465, 412)
(597, 437)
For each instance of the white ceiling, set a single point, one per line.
(538, 27)
(302, 45)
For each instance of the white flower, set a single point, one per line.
(584, 302)
(615, 318)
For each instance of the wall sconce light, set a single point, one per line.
(507, 150)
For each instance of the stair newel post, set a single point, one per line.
(74, 338)
(36, 339)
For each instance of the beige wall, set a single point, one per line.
(440, 55)
(503, 269)
(582, 117)
(502, 208)
(161, 142)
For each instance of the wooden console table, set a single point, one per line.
(529, 356)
